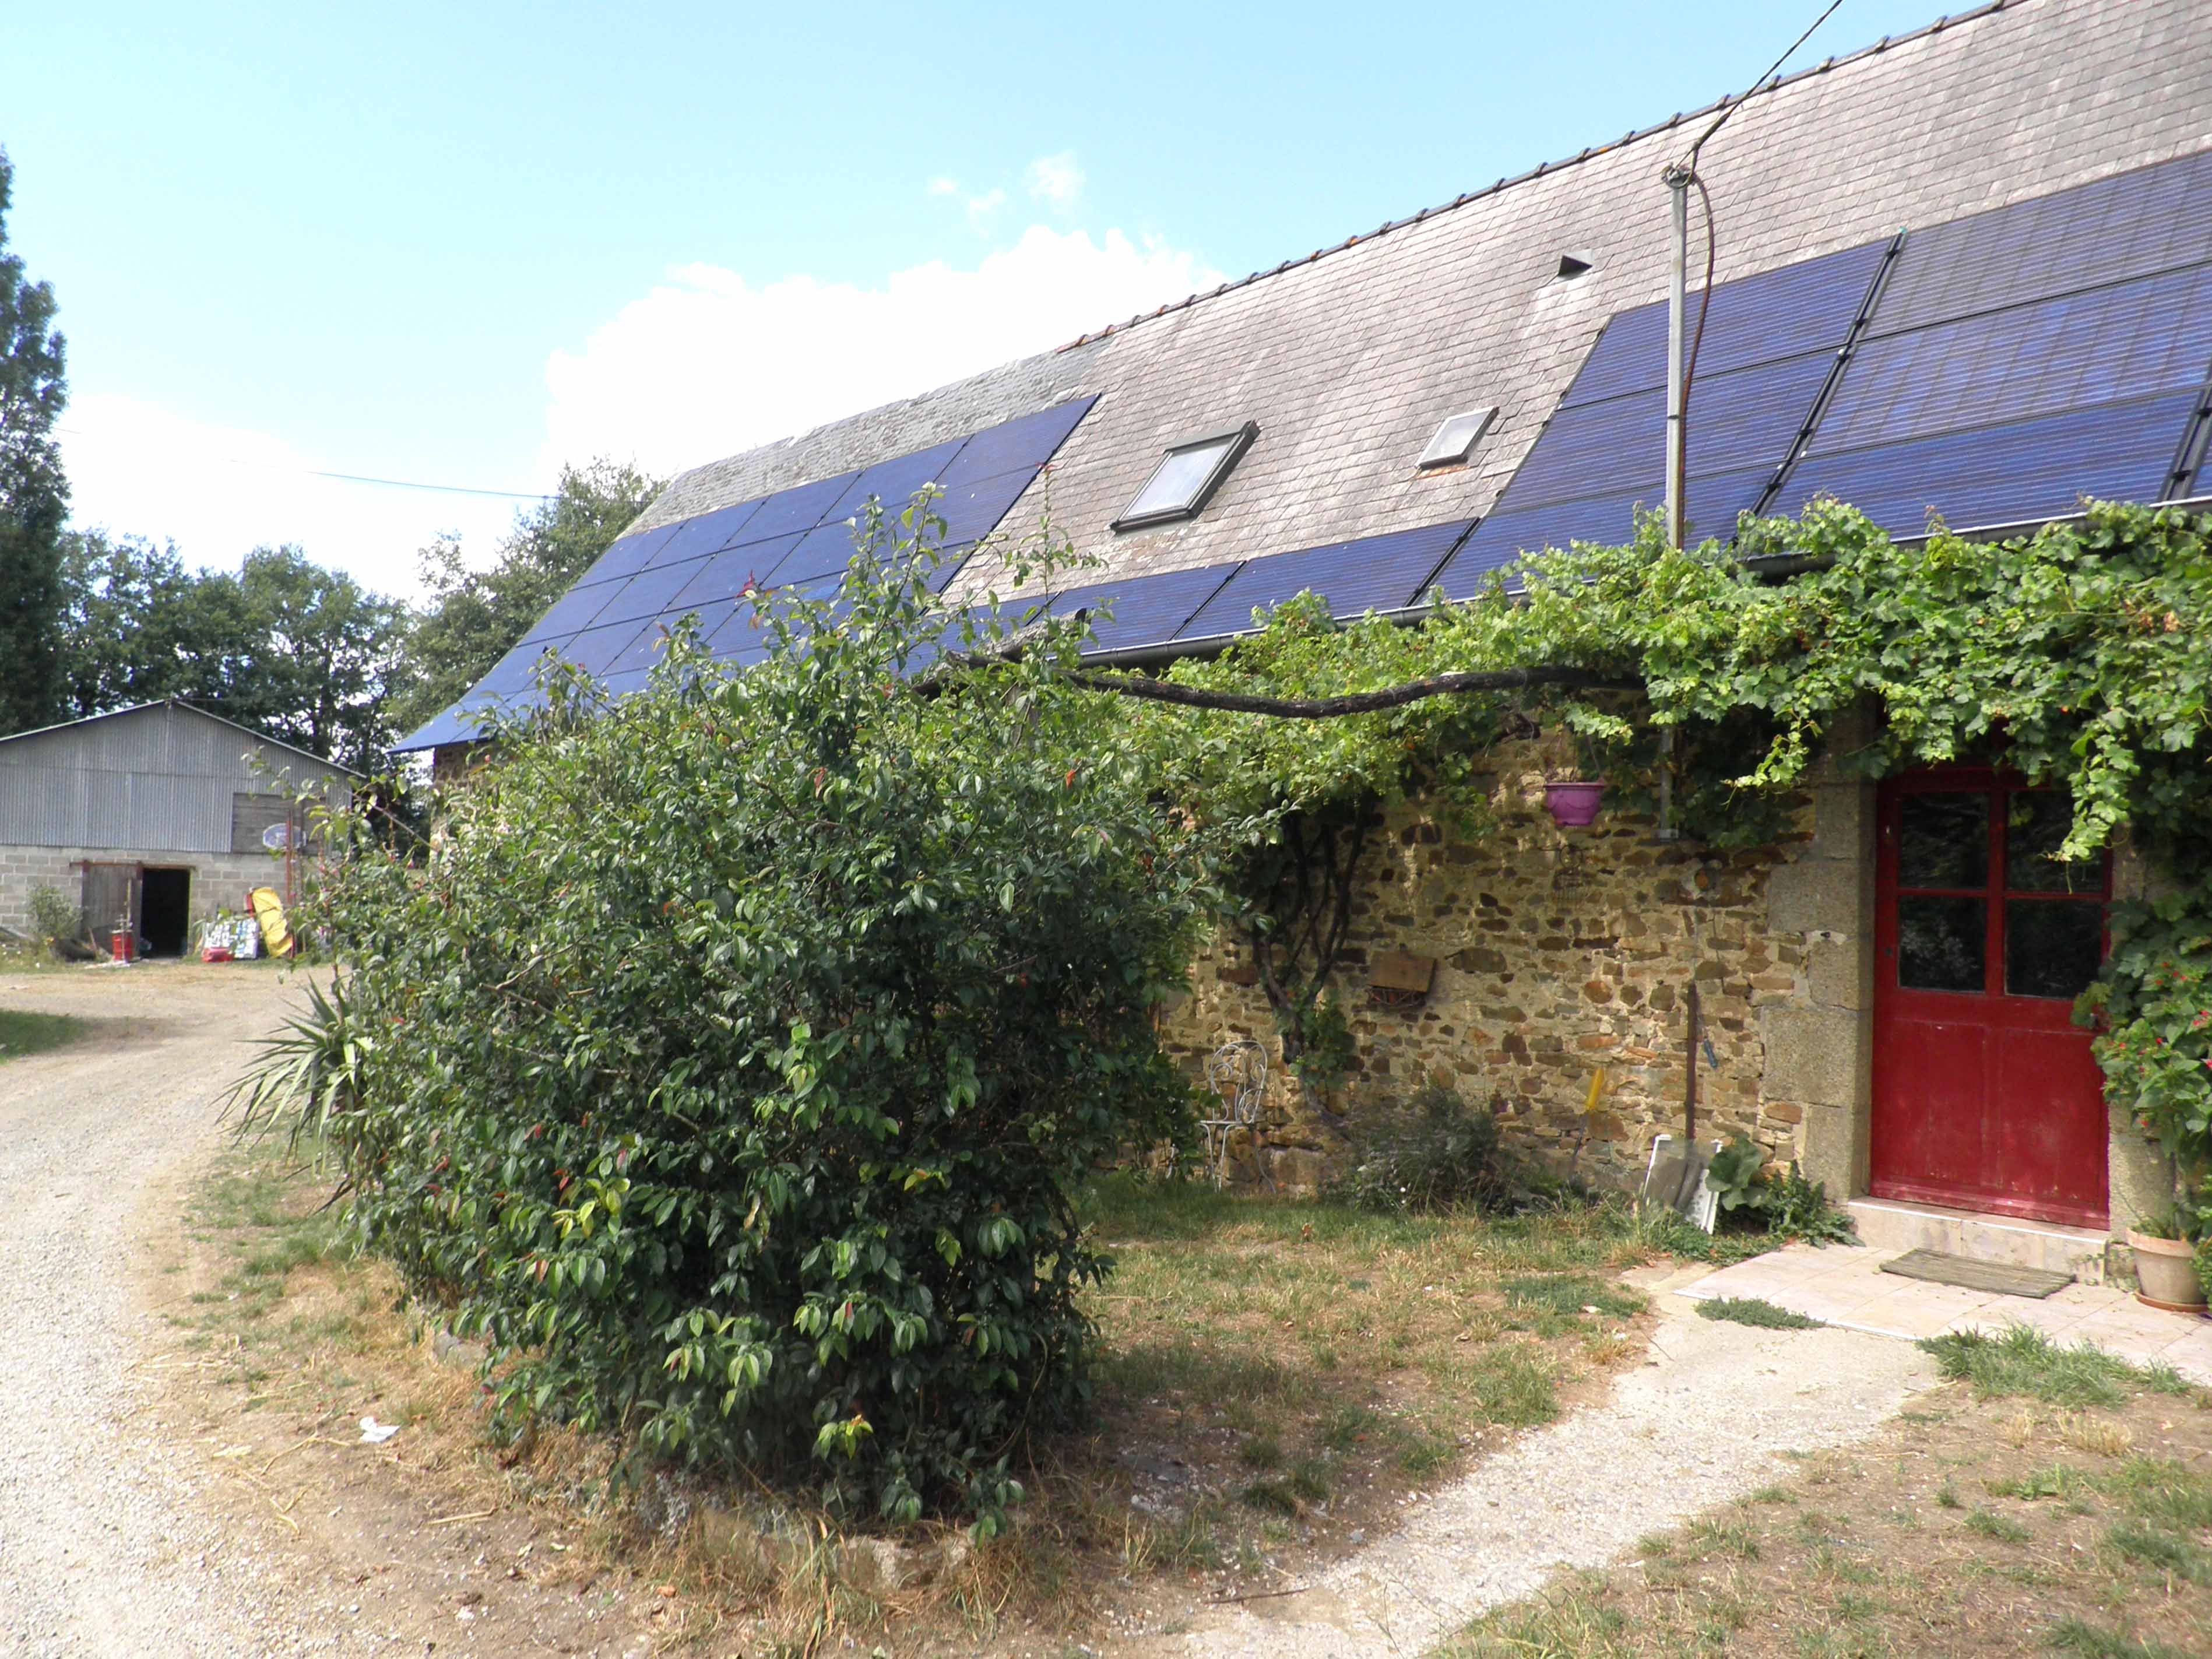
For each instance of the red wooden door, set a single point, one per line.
(1986, 1097)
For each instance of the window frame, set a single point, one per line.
(1483, 417)
(1235, 439)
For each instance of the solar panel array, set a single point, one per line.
(1994, 368)
(1770, 346)
(2029, 356)
(610, 624)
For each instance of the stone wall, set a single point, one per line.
(219, 880)
(1561, 953)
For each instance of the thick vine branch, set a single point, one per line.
(1357, 703)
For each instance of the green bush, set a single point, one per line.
(1787, 1205)
(55, 916)
(730, 1061)
(1434, 1152)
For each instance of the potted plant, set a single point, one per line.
(1571, 798)
(2155, 996)
(2166, 1263)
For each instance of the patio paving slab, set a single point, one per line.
(1844, 1286)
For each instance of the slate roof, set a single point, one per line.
(1349, 358)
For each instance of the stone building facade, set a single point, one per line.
(1563, 953)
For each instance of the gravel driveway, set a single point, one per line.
(103, 1548)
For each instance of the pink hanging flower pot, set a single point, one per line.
(1573, 803)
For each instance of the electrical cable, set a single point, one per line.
(1689, 166)
(352, 477)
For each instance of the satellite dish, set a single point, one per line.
(277, 837)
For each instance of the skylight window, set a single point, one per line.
(1186, 475)
(1457, 438)
(1572, 265)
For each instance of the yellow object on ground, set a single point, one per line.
(269, 911)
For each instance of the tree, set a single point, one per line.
(474, 617)
(137, 626)
(33, 494)
(316, 647)
(285, 645)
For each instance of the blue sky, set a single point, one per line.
(461, 244)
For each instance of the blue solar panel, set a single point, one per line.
(2005, 474)
(1736, 420)
(610, 624)
(707, 533)
(517, 670)
(1029, 441)
(893, 482)
(447, 728)
(1147, 609)
(1807, 307)
(576, 609)
(723, 575)
(820, 551)
(972, 511)
(2150, 219)
(628, 556)
(799, 508)
(645, 650)
(1376, 573)
(2132, 340)
(595, 647)
(652, 590)
(1713, 504)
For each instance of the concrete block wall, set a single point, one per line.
(219, 880)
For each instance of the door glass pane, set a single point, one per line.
(2035, 825)
(2052, 946)
(1940, 943)
(1944, 841)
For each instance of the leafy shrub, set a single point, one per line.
(1787, 1205)
(731, 1059)
(1432, 1153)
(2155, 993)
(54, 916)
(1325, 1046)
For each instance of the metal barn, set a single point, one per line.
(154, 817)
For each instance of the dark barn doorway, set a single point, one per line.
(165, 901)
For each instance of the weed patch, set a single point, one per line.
(2021, 1360)
(1755, 1310)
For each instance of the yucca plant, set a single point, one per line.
(306, 1076)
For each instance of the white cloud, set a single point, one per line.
(1056, 180)
(941, 186)
(706, 364)
(982, 208)
(218, 492)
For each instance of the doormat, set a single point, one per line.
(1967, 1274)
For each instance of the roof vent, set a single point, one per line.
(1457, 437)
(1572, 265)
(1186, 475)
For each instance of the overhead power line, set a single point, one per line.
(349, 477)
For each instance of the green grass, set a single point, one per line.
(22, 1034)
(2024, 1361)
(1755, 1310)
(2001, 1528)
(2072, 1635)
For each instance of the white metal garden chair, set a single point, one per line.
(1236, 1073)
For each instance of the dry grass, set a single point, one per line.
(1273, 1378)
(1977, 1525)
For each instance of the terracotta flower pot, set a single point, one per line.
(1574, 804)
(2166, 1274)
